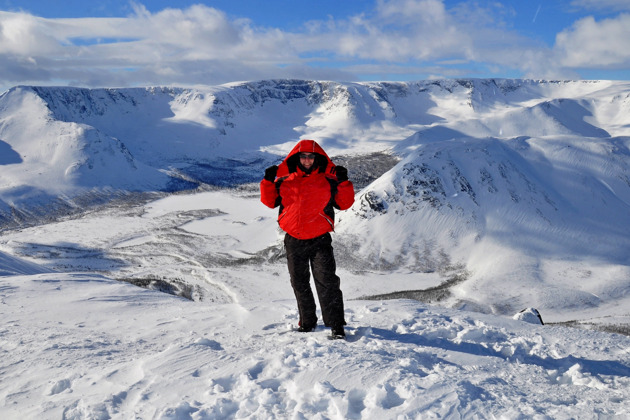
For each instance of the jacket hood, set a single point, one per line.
(322, 163)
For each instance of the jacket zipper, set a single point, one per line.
(328, 220)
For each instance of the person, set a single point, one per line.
(307, 186)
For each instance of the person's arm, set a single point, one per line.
(345, 189)
(268, 190)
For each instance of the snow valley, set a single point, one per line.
(476, 198)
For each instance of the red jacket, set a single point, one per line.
(307, 200)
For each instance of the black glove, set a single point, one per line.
(342, 173)
(270, 173)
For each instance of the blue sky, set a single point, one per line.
(123, 43)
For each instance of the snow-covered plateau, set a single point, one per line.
(475, 199)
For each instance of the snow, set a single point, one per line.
(79, 345)
(509, 199)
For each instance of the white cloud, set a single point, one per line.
(195, 45)
(25, 35)
(400, 30)
(589, 43)
(202, 45)
(424, 34)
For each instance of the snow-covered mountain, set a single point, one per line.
(525, 190)
(475, 195)
(61, 143)
(501, 181)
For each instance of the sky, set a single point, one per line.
(121, 43)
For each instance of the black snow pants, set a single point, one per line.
(318, 253)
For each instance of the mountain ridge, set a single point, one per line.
(477, 203)
(496, 177)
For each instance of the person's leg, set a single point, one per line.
(298, 265)
(327, 282)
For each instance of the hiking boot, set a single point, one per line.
(306, 328)
(337, 332)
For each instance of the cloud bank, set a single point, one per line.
(593, 44)
(405, 39)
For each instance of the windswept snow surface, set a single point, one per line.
(80, 345)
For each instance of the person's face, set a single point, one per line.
(307, 159)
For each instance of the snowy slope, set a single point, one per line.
(502, 181)
(77, 344)
(509, 190)
(48, 158)
(82, 347)
(546, 216)
(507, 194)
(12, 266)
